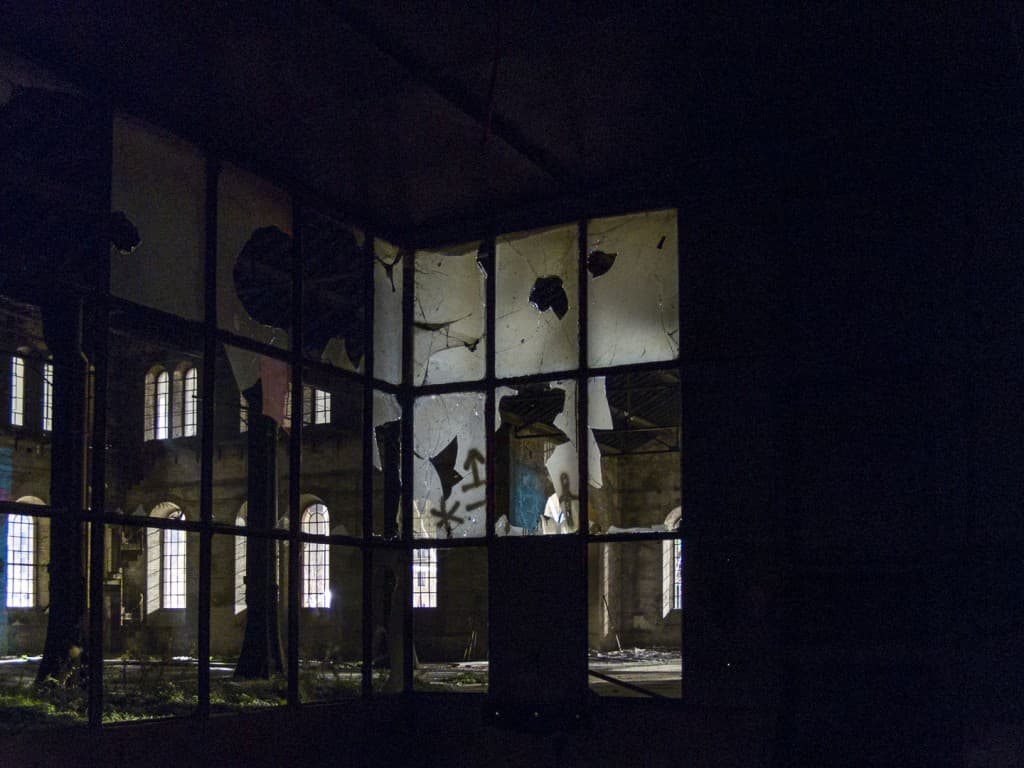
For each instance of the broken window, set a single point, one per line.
(159, 183)
(637, 448)
(449, 470)
(634, 645)
(387, 464)
(633, 289)
(448, 317)
(254, 258)
(537, 459)
(536, 295)
(387, 311)
(333, 299)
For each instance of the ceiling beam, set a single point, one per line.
(455, 93)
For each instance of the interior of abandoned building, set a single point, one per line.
(431, 384)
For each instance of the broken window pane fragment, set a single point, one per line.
(637, 449)
(537, 460)
(387, 463)
(387, 312)
(254, 224)
(333, 313)
(536, 313)
(448, 317)
(449, 466)
(633, 294)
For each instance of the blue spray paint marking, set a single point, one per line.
(528, 497)
(6, 473)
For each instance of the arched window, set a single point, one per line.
(47, 404)
(163, 405)
(21, 561)
(240, 566)
(316, 587)
(27, 542)
(149, 410)
(189, 396)
(165, 562)
(176, 398)
(171, 403)
(17, 412)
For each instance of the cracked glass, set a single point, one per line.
(449, 470)
(448, 317)
(536, 293)
(387, 311)
(633, 290)
(537, 484)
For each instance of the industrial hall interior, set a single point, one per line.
(511, 384)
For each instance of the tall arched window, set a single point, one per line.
(21, 561)
(27, 555)
(176, 409)
(316, 586)
(17, 392)
(149, 410)
(163, 405)
(47, 397)
(240, 566)
(189, 396)
(165, 562)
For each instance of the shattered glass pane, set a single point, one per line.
(387, 475)
(387, 312)
(333, 315)
(449, 482)
(637, 449)
(633, 295)
(159, 182)
(254, 225)
(536, 294)
(537, 462)
(448, 317)
(635, 625)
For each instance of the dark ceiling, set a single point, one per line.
(432, 120)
